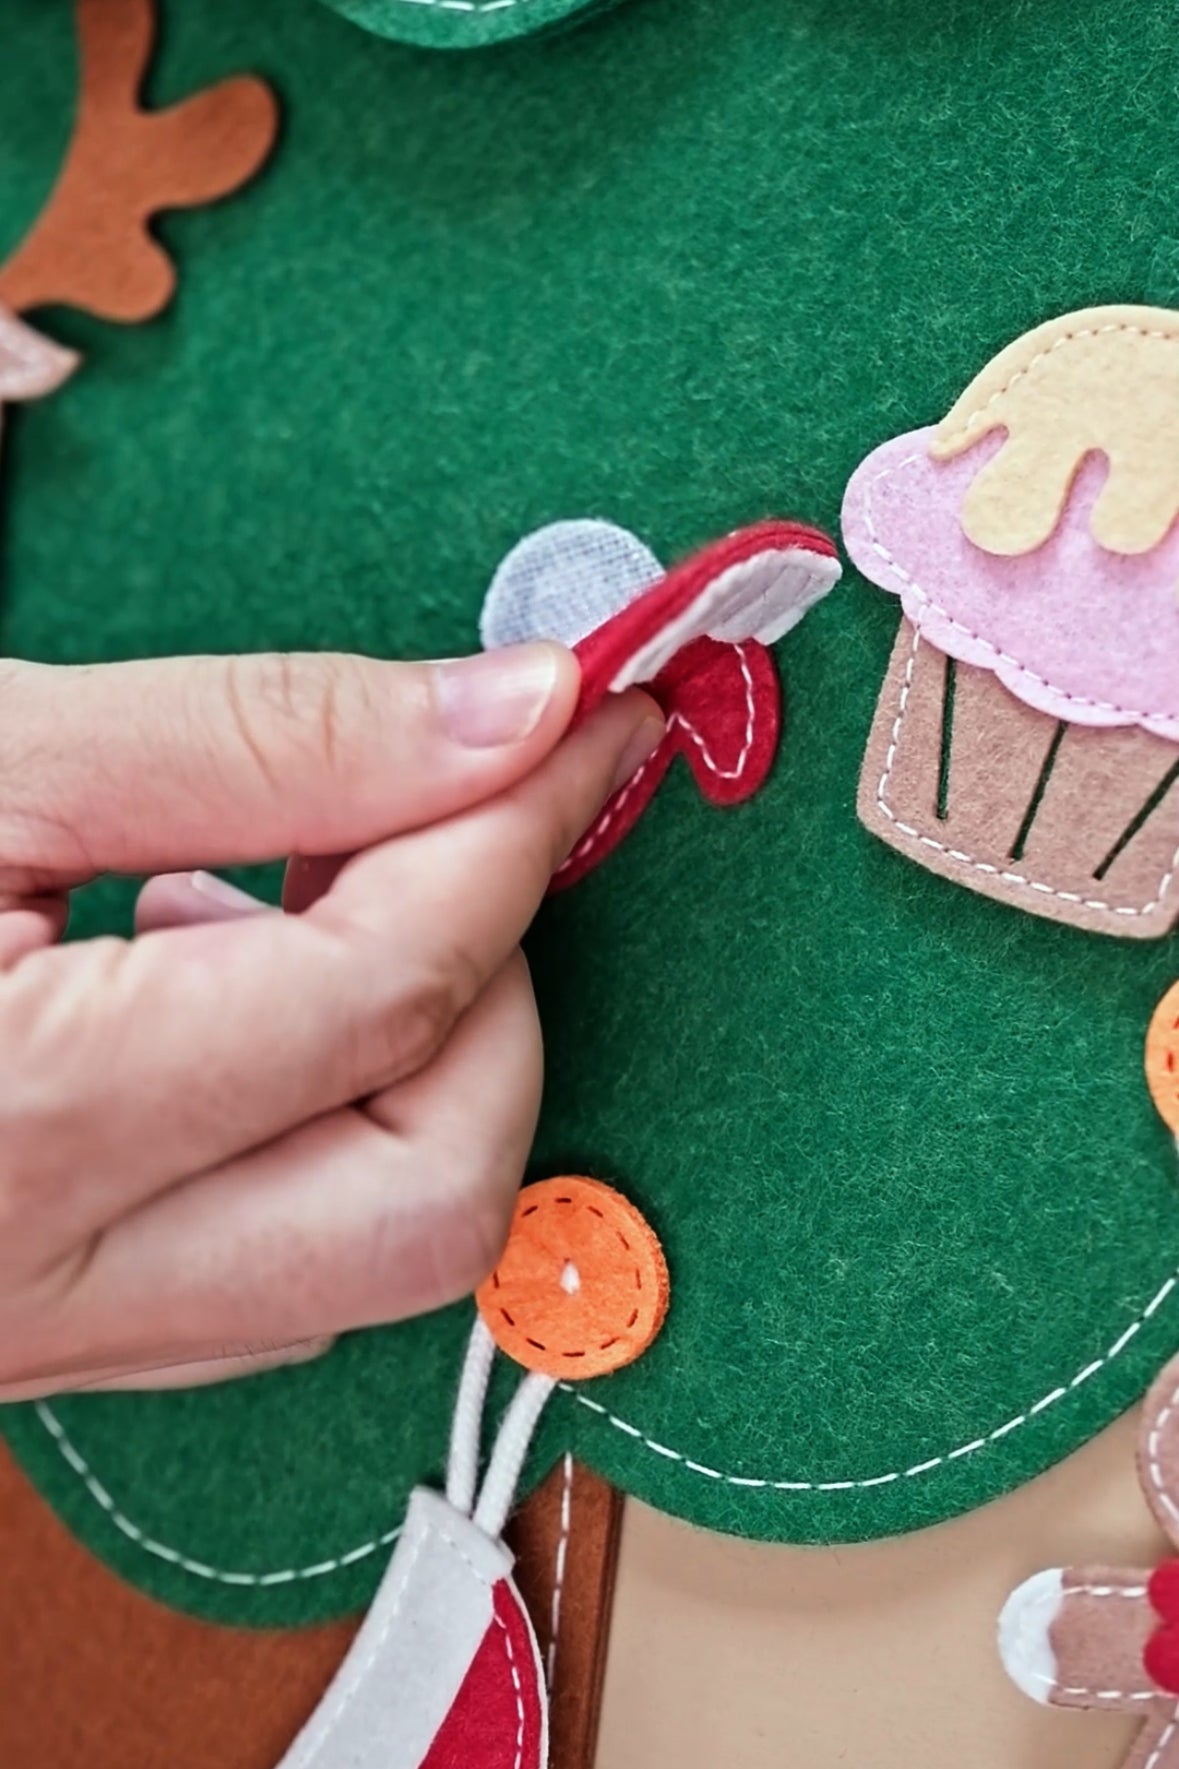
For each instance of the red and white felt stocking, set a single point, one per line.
(696, 637)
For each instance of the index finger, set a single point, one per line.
(131, 1065)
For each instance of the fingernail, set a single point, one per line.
(219, 890)
(304, 1352)
(641, 747)
(498, 697)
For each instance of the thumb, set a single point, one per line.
(158, 766)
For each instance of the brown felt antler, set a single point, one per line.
(90, 247)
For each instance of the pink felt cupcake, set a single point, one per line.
(1026, 740)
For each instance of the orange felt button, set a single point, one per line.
(582, 1286)
(1162, 1058)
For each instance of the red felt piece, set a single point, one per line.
(1161, 1654)
(720, 696)
(497, 1719)
(604, 653)
(723, 706)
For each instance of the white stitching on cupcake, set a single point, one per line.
(972, 421)
(898, 571)
(956, 854)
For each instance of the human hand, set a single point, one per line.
(242, 1132)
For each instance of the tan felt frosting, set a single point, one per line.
(1106, 379)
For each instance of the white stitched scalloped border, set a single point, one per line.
(467, 5)
(962, 858)
(320, 1569)
(1132, 713)
(1045, 1402)
(198, 1568)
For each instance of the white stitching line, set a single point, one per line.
(1155, 1758)
(1041, 356)
(490, 1586)
(467, 5)
(135, 1534)
(1051, 1399)
(1153, 1460)
(593, 836)
(199, 1568)
(898, 570)
(612, 810)
(710, 761)
(1136, 1592)
(1119, 1695)
(559, 1571)
(519, 1693)
(963, 859)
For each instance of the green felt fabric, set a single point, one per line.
(465, 24)
(681, 267)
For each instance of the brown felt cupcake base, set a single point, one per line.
(1077, 824)
(93, 1675)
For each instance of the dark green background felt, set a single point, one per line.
(465, 24)
(681, 267)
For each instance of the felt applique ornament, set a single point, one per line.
(91, 248)
(445, 1672)
(921, 1227)
(1108, 1637)
(696, 637)
(1026, 740)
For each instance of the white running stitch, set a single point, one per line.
(612, 810)
(1055, 1395)
(1041, 1406)
(898, 570)
(467, 5)
(1155, 1759)
(199, 1568)
(594, 835)
(559, 1571)
(489, 1585)
(1080, 1690)
(1135, 1591)
(1058, 344)
(1154, 1460)
(963, 859)
(1119, 1695)
(519, 1693)
(710, 761)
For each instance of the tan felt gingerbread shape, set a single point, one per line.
(1108, 1637)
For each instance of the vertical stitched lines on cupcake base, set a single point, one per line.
(1019, 879)
(1029, 817)
(1139, 820)
(943, 771)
